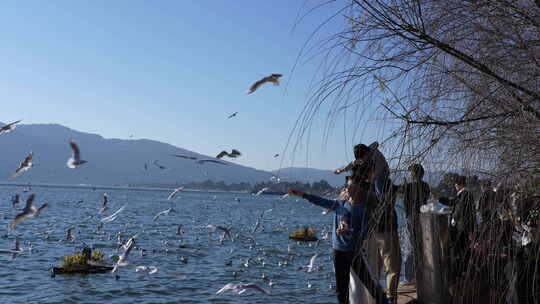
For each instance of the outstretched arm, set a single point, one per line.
(316, 200)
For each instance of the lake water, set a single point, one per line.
(210, 265)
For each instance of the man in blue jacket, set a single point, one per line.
(349, 227)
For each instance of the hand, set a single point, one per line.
(337, 171)
(295, 192)
(342, 228)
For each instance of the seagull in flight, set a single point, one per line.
(262, 191)
(276, 155)
(232, 115)
(226, 231)
(15, 200)
(75, 160)
(25, 165)
(17, 250)
(312, 262)
(234, 154)
(173, 194)
(104, 204)
(273, 78)
(29, 211)
(122, 260)
(164, 212)
(113, 216)
(200, 161)
(9, 127)
(159, 166)
(240, 288)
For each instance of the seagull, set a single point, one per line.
(69, 235)
(164, 212)
(113, 216)
(312, 262)
(240, 288)
(15, 200)
(234, 154)
(25, 165)
(262, 191)
(232, 115)
(149, 269)
(202, 161)
(29, 211)
(274, 78)
(179, 229)
(75, 160)
(276, 155)
(159, 166)
(17, 250)
(173, 194)
(9, 127)
(104, 205)
(226, 231)
(122, 260)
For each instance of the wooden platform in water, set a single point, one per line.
(407, 293)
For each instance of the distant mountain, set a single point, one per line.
(110, 161)
(310, 175)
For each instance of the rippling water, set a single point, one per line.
(210, 265)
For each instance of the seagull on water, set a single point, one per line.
(173, 194)
(164, 212)
(29, 211)
(17, 250)
(234, 154)
(104, 205)
(273, 78)
(25, 165)
(9, 127)
(75, 160)
(113, 216)
(232, 115)
(240, 288)
(148, 269)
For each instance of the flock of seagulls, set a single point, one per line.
(75, 161)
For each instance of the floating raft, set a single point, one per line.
(83, 270)
(304, 235)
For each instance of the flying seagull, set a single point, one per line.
(25, 165)
(276, 155)
(226, 231)
(16, 200)
(159, 166)
(164, 212)
(240, 288)
(173, 194)
(234, 154)
(75, 160)
(9, 127)
(104, 204)
(200, 161)
(232, 115)
(274, 78)
(262, 191)
(17, 250)
(122, 260)
(113, 216)
(29, 211)
(312, 262)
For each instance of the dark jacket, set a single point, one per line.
(415, 195)
(464, 211)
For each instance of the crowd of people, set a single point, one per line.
(365, 236)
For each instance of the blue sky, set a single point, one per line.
(170, 71)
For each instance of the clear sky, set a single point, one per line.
(170, 71)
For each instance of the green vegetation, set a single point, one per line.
(78, 260)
